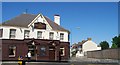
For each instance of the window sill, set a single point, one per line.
(11, 56)
(62, 55)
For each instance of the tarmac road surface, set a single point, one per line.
(61, 63)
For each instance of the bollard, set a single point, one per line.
(23, 62)
(19, 62)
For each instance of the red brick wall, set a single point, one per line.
(66, 45)
(22, 48)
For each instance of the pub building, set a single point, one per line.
(46, 39)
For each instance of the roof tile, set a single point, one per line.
(24, 20)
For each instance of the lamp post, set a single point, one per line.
(71, 38)
(72, 32)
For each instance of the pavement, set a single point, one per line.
(72, 61)
(69, 63)
(93, 60)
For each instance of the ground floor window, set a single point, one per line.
(62, 51)
(12, 51)
(42, 51)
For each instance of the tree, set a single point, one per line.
(74, 50)
(104, 45)
(114, 45)
(116, 40)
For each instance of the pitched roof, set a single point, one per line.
(24, 20)
(83, 41)
(54, 25)
(20, 21)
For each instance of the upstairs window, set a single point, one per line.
(39, 34)
(1, 33)
(61, 36)
(62, 51)
(12, 33)
(26, 33)
(12, 51)
(51, 35)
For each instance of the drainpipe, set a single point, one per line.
(36, 53)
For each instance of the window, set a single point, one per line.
(51, 35)
(12, 33)
(39, 34)
(61, 36)
(62, 51)
(26, 33)
(1, 32)
(42, 51)
(12, 51)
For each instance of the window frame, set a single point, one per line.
(39, 34)
(1, 33)
(44, 51)
(62, 51)
(12, 47)
(25, 34)
(61, 36)
(12, 35)
(51, 35)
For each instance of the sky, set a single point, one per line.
(97, 20)
(60, 0)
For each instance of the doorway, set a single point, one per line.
(32, 49)
(52, 53)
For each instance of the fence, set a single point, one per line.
(105, 54)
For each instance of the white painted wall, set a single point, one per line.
(33, 34)
(98, 48)
(89, 46)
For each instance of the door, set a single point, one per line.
(52, 55)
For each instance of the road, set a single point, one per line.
(57, 63)
(72, 61)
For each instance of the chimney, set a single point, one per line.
(89, 39)
(57, 19)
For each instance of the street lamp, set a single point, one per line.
(72, 31)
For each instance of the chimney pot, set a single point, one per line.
(89, 38)
(57, 19)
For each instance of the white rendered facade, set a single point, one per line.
(87, 46)
(33, 32)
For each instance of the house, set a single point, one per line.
(46, 39)
(86, 45)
